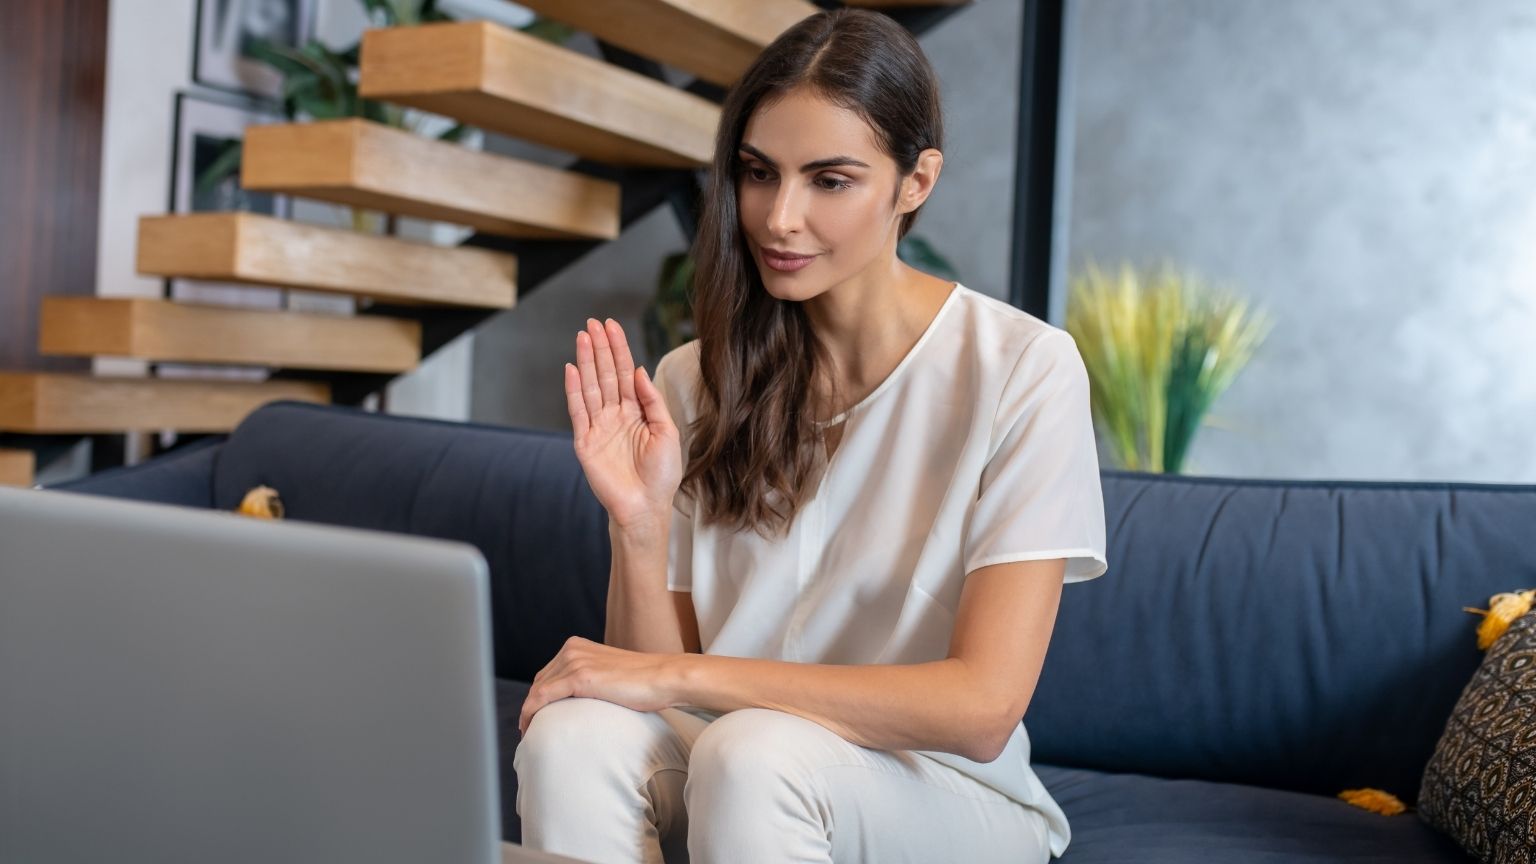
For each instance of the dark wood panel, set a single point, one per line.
(52, 85)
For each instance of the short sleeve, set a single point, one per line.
(680, 535)
(1040, 495)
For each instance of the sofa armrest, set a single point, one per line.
(183, 476)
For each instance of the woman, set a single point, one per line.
(824, 624)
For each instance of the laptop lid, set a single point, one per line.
(186, 685)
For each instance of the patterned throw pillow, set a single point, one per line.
(1480, 785)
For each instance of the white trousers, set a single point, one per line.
(607, 784)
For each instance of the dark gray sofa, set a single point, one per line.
(1256, 647)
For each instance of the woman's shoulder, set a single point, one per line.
(677, 377)
(1021, 360)
(1006, 334)
(681, 364)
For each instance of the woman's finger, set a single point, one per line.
(531, 706)
(575, 402)
(545, 672)
(559, 688)
(656, 414)
(585, 363)
(607, 379)
(623, 361)
(551, 691)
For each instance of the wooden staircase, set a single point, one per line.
(189, 333)
(714, 39)
(16, 467)
(261, 250)
(49, 403)
(366, 164)
(515, 84)
(637, 142)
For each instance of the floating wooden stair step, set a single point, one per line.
(371, 165)
(262, 250)
(714, 39)
(17, 467)
(506, 81)
(187, 333)
(50, 403)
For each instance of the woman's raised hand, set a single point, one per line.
(625, 438)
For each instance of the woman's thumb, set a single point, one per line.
(650, 398)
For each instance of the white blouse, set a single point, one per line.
(978, 449)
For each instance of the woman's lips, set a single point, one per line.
(786, 263)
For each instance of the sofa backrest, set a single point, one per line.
(1301, 635)
(519, 495)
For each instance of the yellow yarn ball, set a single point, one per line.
(1502, 611)
(1374, 800)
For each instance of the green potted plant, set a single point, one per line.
(1160, 345)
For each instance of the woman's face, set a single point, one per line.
(816, 195)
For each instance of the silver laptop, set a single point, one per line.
(185, 685)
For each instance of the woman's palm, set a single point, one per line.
(624, 436)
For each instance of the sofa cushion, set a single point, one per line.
(1480, 785)
(183, 476)
(518, 495)
(1298, 635)
(1130, 817)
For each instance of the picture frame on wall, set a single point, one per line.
(205, 177)
(226, 30)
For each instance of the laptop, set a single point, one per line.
(186, 685)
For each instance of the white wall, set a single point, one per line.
(1367, 170)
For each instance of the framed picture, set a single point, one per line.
(226, 32)
(205, 177)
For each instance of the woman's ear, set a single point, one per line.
(917, 186)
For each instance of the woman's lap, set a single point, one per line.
(756, 784)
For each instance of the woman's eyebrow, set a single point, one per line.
(829, 162)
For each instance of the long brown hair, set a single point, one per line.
(752, 448)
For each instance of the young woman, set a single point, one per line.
(841, 518)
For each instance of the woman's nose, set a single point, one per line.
(785, 218)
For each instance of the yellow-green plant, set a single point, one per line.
(1160, 345)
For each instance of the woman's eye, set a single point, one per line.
(758, 174)
(832, 184)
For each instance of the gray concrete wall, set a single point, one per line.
(519, 355)
(1365, 169)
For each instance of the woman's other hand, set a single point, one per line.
(634, 679)
(624, 436)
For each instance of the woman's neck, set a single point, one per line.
(869, 325)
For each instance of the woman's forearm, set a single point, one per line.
(940, 706)
(641, 613)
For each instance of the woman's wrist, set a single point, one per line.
(684, 672)
(641, 532)
(642, 525)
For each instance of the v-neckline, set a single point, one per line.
(846, 416)
(906, 361)
(826, 454)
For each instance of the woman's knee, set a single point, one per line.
(752, 747)
(577, 735)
